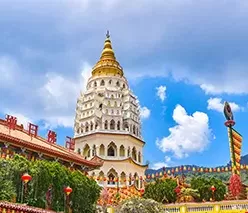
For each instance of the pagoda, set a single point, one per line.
(108, 126)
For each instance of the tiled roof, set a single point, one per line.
(20, 137)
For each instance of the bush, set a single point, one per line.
(140, 205)
(161, 191)
(203, 185)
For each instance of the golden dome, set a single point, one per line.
(107, 65)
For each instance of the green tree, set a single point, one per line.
(203, 185)
(44, 174)
(161, 191)
(7, 189)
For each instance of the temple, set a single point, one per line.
(15, 139)
(107, 124)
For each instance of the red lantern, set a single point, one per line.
(177, 190)
(68, 190)
(213, 188)
(26, 178)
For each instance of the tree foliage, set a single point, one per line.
(161, 191)
(139, 205)
(203, 185)
(45, 173)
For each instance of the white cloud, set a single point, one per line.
(191, 134)
(218, 105)
(160, 165)
(145, 112)
(51, 100)
(8, 67)
(161, 92)
(21, 119)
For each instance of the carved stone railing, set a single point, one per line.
(6, 207)
(220, 207)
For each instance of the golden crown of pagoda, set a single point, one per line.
(107, 65)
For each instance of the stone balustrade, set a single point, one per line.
(220, 207)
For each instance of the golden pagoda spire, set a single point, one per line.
(107, 65)
(107, 49)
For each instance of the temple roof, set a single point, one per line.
(20, 138)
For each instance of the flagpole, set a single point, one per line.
(229, 124)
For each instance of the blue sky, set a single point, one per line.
(183, 59)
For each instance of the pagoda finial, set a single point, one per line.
(107, 34)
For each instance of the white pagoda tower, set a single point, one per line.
(107, 124)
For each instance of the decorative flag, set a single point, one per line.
(235, 140)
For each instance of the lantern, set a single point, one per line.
(26, 178)
(213, 188)
(68, 190)
(177, 190)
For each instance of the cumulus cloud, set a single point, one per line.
(218, 105)
(145, 112)
(193, 47)
(51, 100)
(160, 165)
(191, 134)
(161, 92)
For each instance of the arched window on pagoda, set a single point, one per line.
(128, 152)
(130, 179)
(95, 84)
(86, 127)
(112, 174)
(134, 154)
(134, 129)
(106, 125)
(112, 148)
(118, 125)
(117, 83)
(110, 82)
(112, 124)
(111, 178)
(122, 151)
(86, 151)
(102, 83)
(91, 125)
(111, 151)
(96, 125)
(125, 126)
(94, 150)
(136, 180)
(102, 150)
(124, 86)
(101, 178)
(79, 151)
(139, 157)
(123, 178)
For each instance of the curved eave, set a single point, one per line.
(110, 133)
(49, 152)
(121, 160)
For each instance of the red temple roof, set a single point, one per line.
(20, 138)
